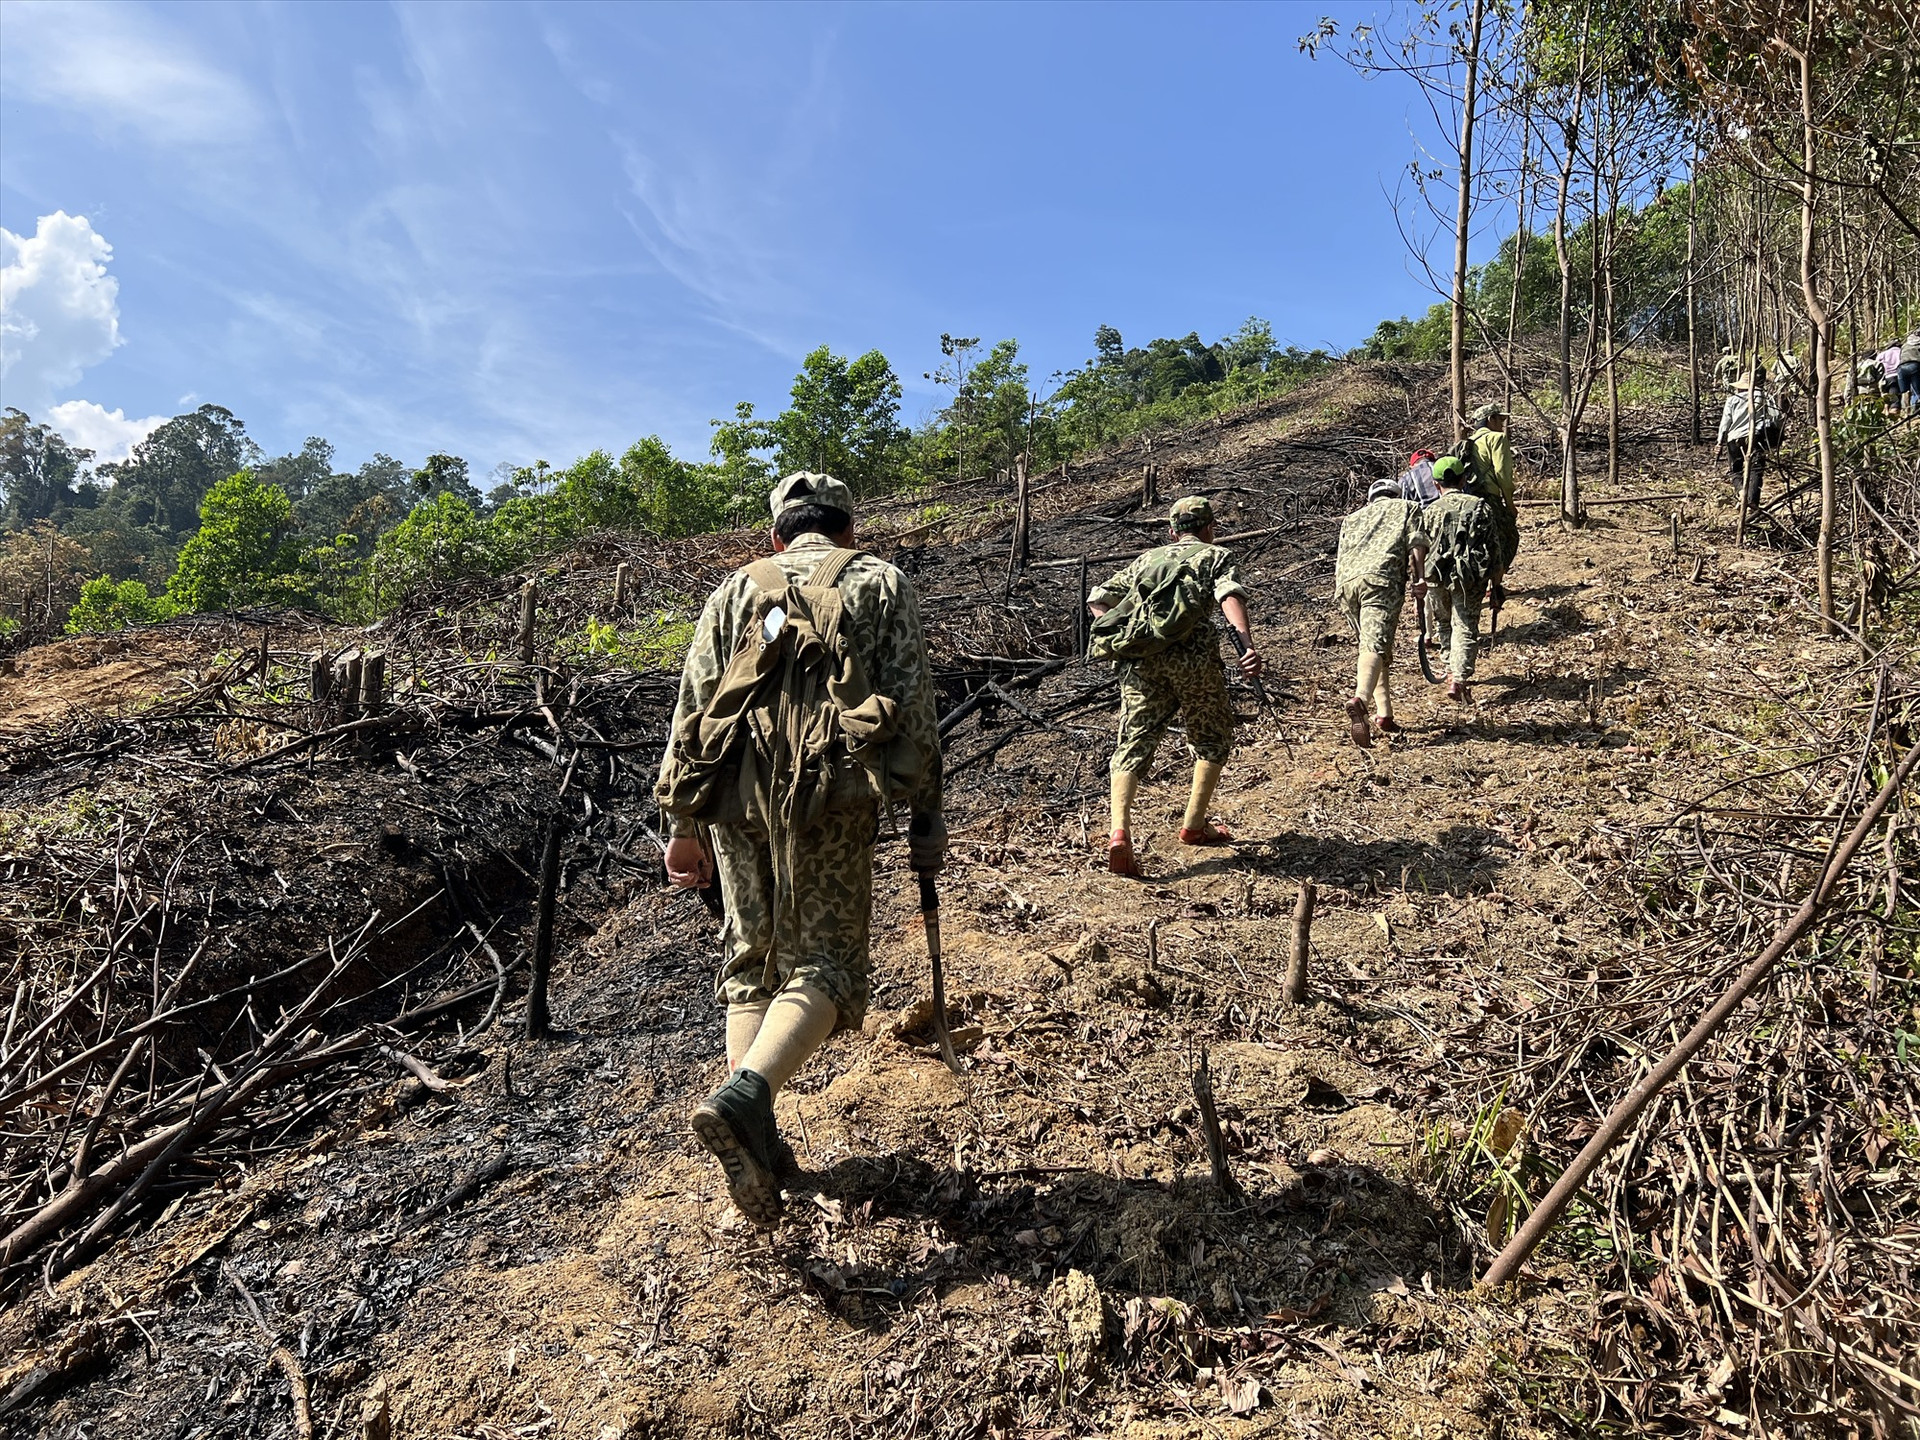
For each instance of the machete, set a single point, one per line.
(1420, 618)
(930, 916)
(1240, 647)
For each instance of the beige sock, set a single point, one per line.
(743, 1023)
(796, 1023)
(1206, 775)
(1368, 677)
(1123, 787)
(1377, 692)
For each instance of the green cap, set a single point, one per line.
(1190, 513)
(1448, 470)
(1487, 412)
(804, 487)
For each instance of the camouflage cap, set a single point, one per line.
(804, 487)
(1489, 411)
(1448, 470)
(1190, 513)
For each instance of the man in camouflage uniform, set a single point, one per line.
(1726, 370)
(1185, 679)
(1492, 456)
(1382, 546)
(1463, 558)
(787, 988)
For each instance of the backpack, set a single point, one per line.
(1166, 600)
(1462, 553)
(1418, 485)
(793, 726)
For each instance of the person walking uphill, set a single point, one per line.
(806, 711)
(1750, 424)
(1463, 559)
(1491, 457)
(1382, 546)
(1154, 620)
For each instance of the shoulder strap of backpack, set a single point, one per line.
(767, 575)
(827, 573)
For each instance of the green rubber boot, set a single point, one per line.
(735, 1124)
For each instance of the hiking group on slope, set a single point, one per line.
(806, 720)
(1448, 530)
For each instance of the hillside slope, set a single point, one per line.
(1506, 924)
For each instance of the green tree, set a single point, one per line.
(302, 472)
(676, 497)
(239, 555)
(445, 475)
(106, 604)
(440, 540)
(843, 420)
(160, 486)
(38, 470)
(363, 505)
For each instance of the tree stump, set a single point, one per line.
(1294, 989)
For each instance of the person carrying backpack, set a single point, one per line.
(1381, 545)
(806, 712)
(1154, 620)
(1489, 459)
(1463, 559)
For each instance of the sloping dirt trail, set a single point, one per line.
(1036, 1247)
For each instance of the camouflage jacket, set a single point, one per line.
(1374, 542)
(1465, 545)
(1217, 568)
(881, 617)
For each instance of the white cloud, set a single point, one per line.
(60, 313)
(110, 63)
(109, 434)
(59, 309)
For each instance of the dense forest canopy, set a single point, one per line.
(198, 517)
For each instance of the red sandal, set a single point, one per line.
(1120, 859)
(1209, 834)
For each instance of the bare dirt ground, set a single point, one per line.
(1037, 1247)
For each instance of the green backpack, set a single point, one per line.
(793, 726)
(1167, 599)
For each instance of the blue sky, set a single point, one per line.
(520, 232)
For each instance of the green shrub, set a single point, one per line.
(106, 605)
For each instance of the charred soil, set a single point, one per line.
(514, 1237)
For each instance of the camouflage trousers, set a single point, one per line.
(1506, 521)
(832, 912)
(1456, 617)
(1373, 609)
(1186, 680)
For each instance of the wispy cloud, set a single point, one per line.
(111, 64)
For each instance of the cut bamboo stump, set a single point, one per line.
(346, 680)
(1294, 989)
(373, 683)
(622, 579)
(319, 676)
(538, 1017)
(529, 605)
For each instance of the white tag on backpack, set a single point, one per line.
(774, 623)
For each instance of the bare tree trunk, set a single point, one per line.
(1609, 235)
(1821, 324)
(1462, 218)
(1693, 342)
(1519, 255)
